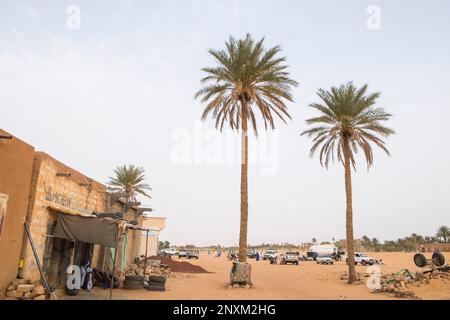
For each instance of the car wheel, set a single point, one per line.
(420, 260)
(363, 263)
(438, 259)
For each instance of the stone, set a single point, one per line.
(14, 294)
(11, 288)
(25, 287)
(38, 290)
(41, 297)
(17, 282)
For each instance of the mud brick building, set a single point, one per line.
(16, 163)
(36, 188)
(55, 188)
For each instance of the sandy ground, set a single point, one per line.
(305, 281)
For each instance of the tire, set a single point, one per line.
(99, 276)
(72, 292)
(150, 287)
(157, 279)
(363, 263)
(438, 258)
(108, 278)
(156, 284)
(331, 262)
(134, 278)
(132, 285)
(420, 260)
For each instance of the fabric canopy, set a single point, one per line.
(87, 229)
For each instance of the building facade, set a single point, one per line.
(35, 188)
(55, 188)
(151, 239)
(16, 163)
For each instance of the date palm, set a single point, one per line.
(348, 121)
(443, 233)
(130, 179)
(247, 79)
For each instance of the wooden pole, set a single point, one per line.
(146, 247)
(114, 268)
(45, 284)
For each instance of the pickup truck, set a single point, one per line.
(170, 252)
(362, 259)
(325, 259)
(251, 254)
(193, 254)
(270, 254)
(182, 253)
(290, 257)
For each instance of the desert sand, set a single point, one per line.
(305, 281)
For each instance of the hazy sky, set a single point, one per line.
(120, 88)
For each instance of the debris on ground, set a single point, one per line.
(399, 284)
(23, 289)
(160, 266)
(179, 266)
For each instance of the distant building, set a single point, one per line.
(155, 226)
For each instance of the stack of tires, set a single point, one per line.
(156, 283)
(103, 279)
(133, 282)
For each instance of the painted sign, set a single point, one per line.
(63, 200)
(151, 233)
(3, 203)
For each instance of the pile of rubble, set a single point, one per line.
(21, 289)
(399, 284)
(154, 267)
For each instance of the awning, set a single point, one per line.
(87, 229)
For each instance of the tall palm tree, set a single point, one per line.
(347, 121)
(246, 79)
(130, 179)
(443, 233)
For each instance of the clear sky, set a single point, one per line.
(118, 88)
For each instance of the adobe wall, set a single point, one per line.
(16, 161)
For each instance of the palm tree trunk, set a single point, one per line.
(349, 213)
(244, 186)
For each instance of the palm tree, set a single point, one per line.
(366, 242)
(348, 121)
(443, 233)
(247, 78)
(130, 179)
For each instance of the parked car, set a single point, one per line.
(182, 253)
(170, 251)
(290, 257)
(193, 254)
(251, 254)
(268, 254)
(325, 259)
(362, 259)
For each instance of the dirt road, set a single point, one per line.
(305, 281)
